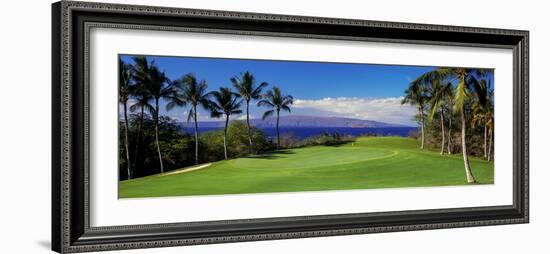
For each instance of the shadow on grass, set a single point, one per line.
(338, 143)
(277, 154)
(271, 155)
(329, 143)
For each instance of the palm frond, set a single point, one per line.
(215, 114)
(267, 114)
(190, 115)
(265, 102)
(462, 94)
(479, 89)
(285, 108)
(225, 101)
(150, 108)
(436, 99)
(175, 101)
(257, 92)
(274, 98)
(134, 107)
(425, 80)
(245, 85)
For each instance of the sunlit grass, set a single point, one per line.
(374, 162)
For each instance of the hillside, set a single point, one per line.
(297, 121)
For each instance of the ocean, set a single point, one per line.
(304, 132)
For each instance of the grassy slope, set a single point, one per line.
(376, 162)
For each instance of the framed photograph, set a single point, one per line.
(181, 126)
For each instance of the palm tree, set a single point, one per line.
(416, 95)
(159, 88)
(461, 96)
(482, 111)
(276, 100)
(490, 127)
(141, 78)
(449, 100)
(489, 117)
(190, 91)
(438, 93)
(466, 83)
(124, 76)
(478, 119)
(225, 102)
(246, 87)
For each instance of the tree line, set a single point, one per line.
(455, 94)
(142, 86)
(447, 99)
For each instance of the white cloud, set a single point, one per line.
(243, 117)
(389, 110)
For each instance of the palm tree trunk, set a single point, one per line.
(485, 141)
(248, 124)
(126, 145)
(449, 151)
(420, 110)
(139, 140)
(278, 138)
(225, 136)
(469, 176)
(442, 117)
(490, 144)
(196, 135)
(157, 134)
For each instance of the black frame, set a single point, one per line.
(71, 22)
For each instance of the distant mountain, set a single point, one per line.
(298, 121)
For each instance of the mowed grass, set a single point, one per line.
(370, 162)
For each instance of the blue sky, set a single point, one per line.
(363, 91)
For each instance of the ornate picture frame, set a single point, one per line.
(71, 229)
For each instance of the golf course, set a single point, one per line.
(366, 163)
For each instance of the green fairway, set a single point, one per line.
(373, 162)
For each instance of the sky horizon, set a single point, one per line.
(361, 91)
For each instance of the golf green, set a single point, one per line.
(369, 162)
